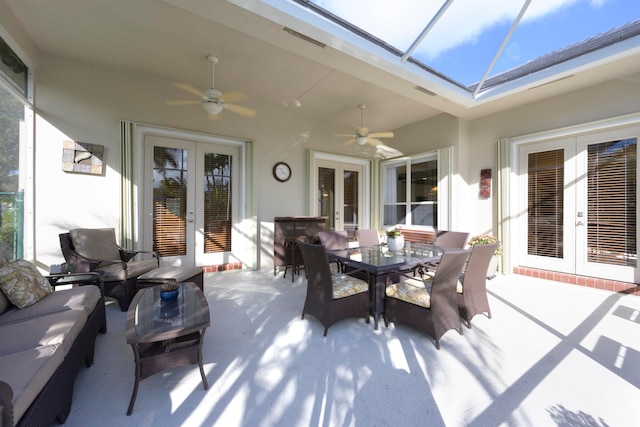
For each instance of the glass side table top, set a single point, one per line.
(149, 319)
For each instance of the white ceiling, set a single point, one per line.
(158, 38)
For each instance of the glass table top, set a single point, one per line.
(151, 319)
(380, 256)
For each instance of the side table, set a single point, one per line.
(166, 334)
(77, 279)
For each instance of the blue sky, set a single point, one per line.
(464, 42)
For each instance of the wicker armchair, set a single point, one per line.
(332, 297)
(86, 250)
(429, 305)
(472, 295)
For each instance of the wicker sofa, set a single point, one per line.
(45, 336)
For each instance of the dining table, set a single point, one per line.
(381, 262)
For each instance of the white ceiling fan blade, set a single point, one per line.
(248, 112)
(233, 96)
(349, 142)
(387, 152)
(175, 103)
(381, 135)
(188, 88)
(340, 135)
(374, 142)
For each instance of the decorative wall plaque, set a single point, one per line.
(485, 183)
(82, 157)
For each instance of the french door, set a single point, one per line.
(579, 194)
(191, 193)
(339, 194)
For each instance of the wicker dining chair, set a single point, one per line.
(451, 239)
(367, 237)
(429, 305)
(332, 240)
(472, 295)
(332, 297)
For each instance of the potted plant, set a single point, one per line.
(169, 291)
(395, 239)
(485, 239)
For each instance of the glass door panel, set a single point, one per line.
(170, 184)
(606, 218)
(547, 195)
(217, 203)
(339, 194)
(545, 203)
(218, 206)
(350, 212)
(326, 195)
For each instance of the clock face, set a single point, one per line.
(281, 171)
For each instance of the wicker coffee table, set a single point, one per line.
(166, 334)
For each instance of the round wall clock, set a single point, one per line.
(281, 171)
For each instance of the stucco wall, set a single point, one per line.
(475, 141)
(85, 102)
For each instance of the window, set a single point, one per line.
(410, 191)
(13, 85)
(13, 69)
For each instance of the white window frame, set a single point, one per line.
(444, 160)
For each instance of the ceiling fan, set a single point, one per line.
(212, 100)
(362, 135)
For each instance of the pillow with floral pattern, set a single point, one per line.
(23, 284)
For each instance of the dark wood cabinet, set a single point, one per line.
(289, 228)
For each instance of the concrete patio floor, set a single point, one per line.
(552, 355)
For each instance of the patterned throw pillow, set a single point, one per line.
(23, 284)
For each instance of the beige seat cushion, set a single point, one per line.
(345, 285)
(23, 284)
(414, 291)
(114, 272)
(60, 328)
(27, 372)
(82, 298)
(95, 243)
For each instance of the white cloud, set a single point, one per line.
(399, 22)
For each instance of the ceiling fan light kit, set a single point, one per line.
(212, 107)
(362, 135)
(212, 100)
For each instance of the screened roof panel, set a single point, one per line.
(463, 43)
